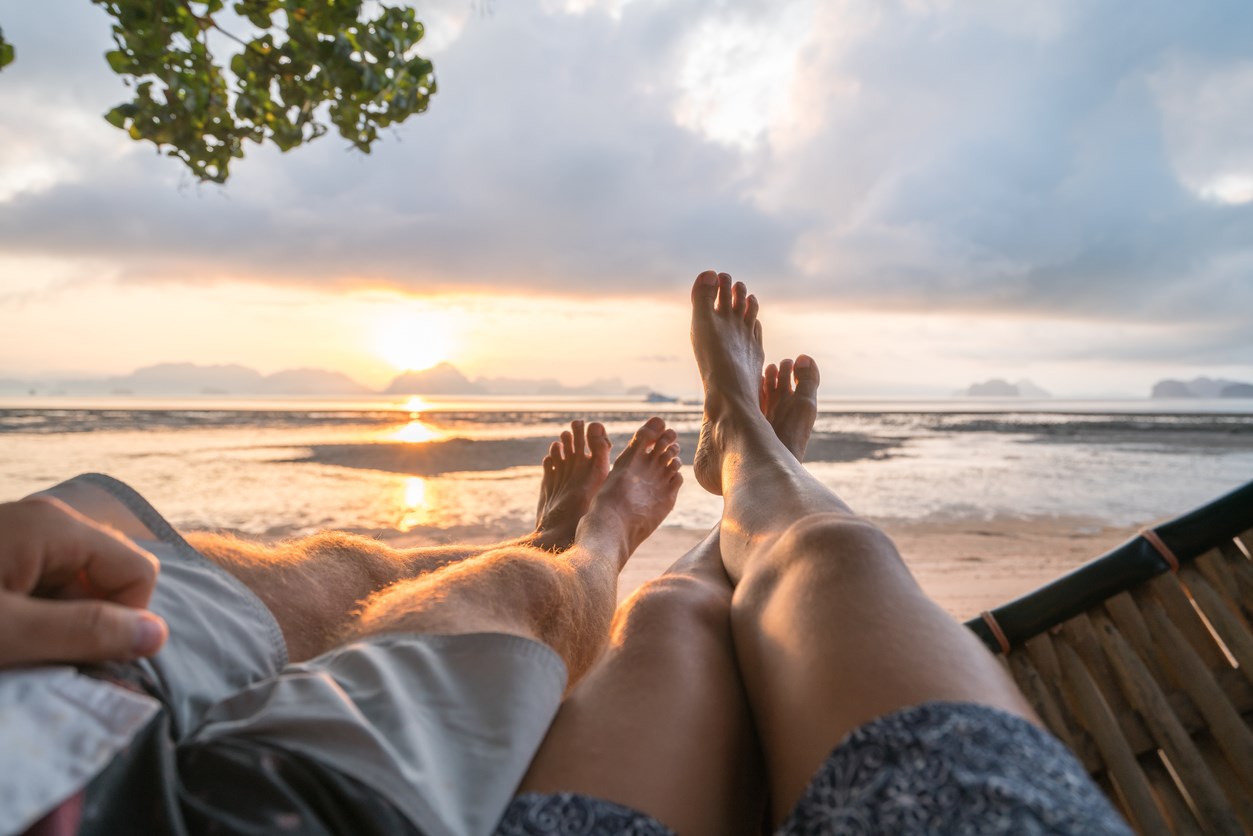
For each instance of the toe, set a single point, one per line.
(670, 454)
(645, 437)
(752, 307)
(567, 444)
(757, 332)
(769, 387)
(785, 376)
(580, 443)
(807, 377)
(724, 294)
(705, 290)
(599, 444)
(665, 440)
(555, 453)
(739, 299)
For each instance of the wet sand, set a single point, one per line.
(966, 565)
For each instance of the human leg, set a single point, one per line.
(312, 584)
(830, 628)
(661, 725)
(562, 599)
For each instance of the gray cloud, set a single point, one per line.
(960, 157)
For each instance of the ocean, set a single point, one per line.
(293, 466)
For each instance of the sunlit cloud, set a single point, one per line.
(957, 165)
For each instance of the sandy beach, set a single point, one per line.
(967, 566)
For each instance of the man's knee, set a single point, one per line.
(675, 605)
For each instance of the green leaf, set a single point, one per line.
(119, 61)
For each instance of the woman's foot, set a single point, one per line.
(789, 400)
(574, 470)
(791, 411)
(726, 338)
(638, 494)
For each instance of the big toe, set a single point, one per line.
(807, 378)
(644, 439)
(705, 292)
(599, 444)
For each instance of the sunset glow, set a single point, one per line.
(413, 340)
(416, 432)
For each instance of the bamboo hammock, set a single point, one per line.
(1141, 661)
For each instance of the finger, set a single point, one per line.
(40, 630)
(83, 558)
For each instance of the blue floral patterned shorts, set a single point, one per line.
(941, 767)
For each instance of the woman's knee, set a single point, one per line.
(817, 552)
(676, 605)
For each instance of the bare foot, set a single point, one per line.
(638, 494)
(726, 337)
(574, 470)
(791, 407)
(791, 411)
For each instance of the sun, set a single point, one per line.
(412, 340)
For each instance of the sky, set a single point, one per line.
(922, 193)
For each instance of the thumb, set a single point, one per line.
(42, 630)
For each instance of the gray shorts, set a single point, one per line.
(430, 733)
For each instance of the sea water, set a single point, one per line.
(259, 466)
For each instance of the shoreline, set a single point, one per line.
(966, 565)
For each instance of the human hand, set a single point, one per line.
(71, 590)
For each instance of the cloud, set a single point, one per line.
(1054, 159)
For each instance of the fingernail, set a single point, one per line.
(149, 634)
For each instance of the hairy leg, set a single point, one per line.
(830, 628)
(313, 584)
(662, 724)
(563, 599)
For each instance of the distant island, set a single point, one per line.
(190, 379)
(998, 388)
(1202, 387)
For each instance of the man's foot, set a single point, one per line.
(791, 407)
(638, 494)
(726, 337)
(574, 470)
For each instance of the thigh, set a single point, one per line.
(832, 631)
(659, 732)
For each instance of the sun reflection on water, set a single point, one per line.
(414, 508)
(417, 432)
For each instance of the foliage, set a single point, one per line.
(6, 50)
(306, 64)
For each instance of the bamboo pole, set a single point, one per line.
(1150, 703)
(1100, 722)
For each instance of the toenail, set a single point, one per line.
(803, 362)
(708, 277)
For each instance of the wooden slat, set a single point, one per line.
(1080, 634)
(1168, 590)
(1214, 569)
(1237, 794)
(1241, 569)
(1221, 717)
(1230, 629)
(1028, 679)
(1043, 655)
(1099, 720)
(1182, 819)
(1125, 612)
(1138, 686)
